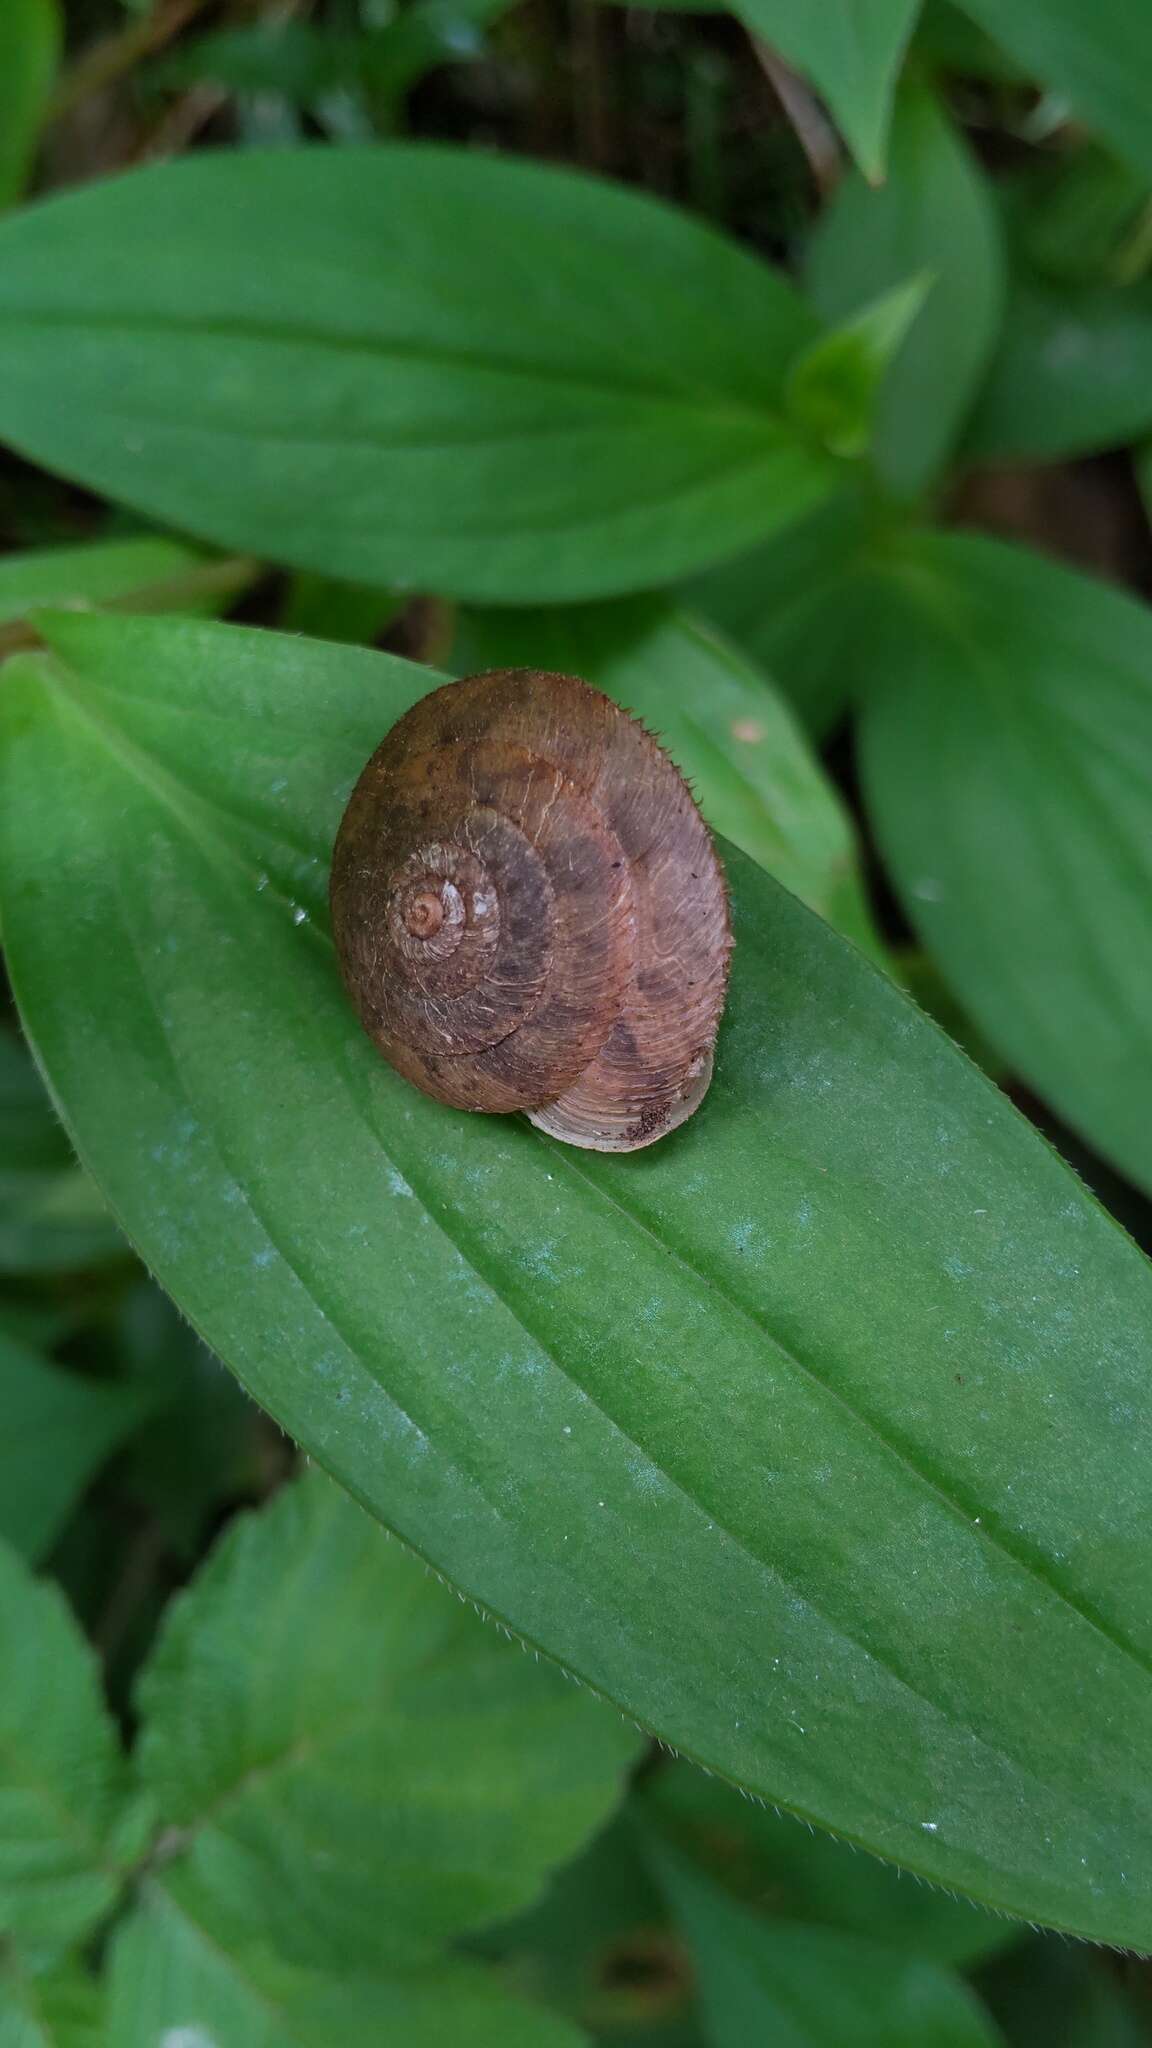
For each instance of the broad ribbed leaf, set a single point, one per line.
(180, 1984)
(58, 1430)
(1072, 373)
(932, 218)
(766, 1980)
(722, 721)
(1008, 758)
(408, 365)
(1097, 53)
(362, 1765)
(60, 1770)
(851, 50)
(30, 35)
(808, 1435)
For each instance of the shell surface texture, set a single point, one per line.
(529, 913)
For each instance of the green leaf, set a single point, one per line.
(1098, 55)
(138, 575)
(364, 1766)
(769, 1862)
(181, 1984)
(933, 216)
(1007, 748)
(61, 2009)
(51, 1217)
(203, 1445)
(851, 50)
(788, 602)
(834, 384)
(58, 1431)
(806, 1436)
(1066, 1997)
(30, 36)
(60, 1769)
(722, 722)
(1072, 373)
(587, 399)
(806, 1987)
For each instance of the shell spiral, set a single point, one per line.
(529, 912)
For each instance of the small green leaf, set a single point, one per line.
(52, 1218)
(933, 215)
(723, 724)
(851, 50)
(30, 37)
(1007, 749)
(806, 1436)
(60, 1769)
(763, 1979)
(363, 1767)
(1098, 55)
(58, 1430)
(271, 349)
(833, 387)
(183, 1983)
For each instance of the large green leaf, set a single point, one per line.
(408, 365)
(851, 49)
(58, 1430)
(765, 1980)
(177, 1983)
(933, 217)
(807, 1435)
(1098, 53)
(60, 1772)
(721, 720)
(318, 1704)
(1008, 760)
(30, 34)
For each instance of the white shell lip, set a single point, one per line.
(573, 1128)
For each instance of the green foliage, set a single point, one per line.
(30, 35)
(299, 373)
(61, 1779)
(809, 1987)
(58, 1430)
(851, 49)
(933, 218)
(810, 1439)
(942, 1395)
(1008, 732)
(1099, 55)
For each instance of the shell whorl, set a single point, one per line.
(529, 912)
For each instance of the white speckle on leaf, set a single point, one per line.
(930, 1826)
(928, 889)
(299, 915)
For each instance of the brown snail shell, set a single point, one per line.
(529, 912)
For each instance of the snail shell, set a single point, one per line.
(529, 912)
